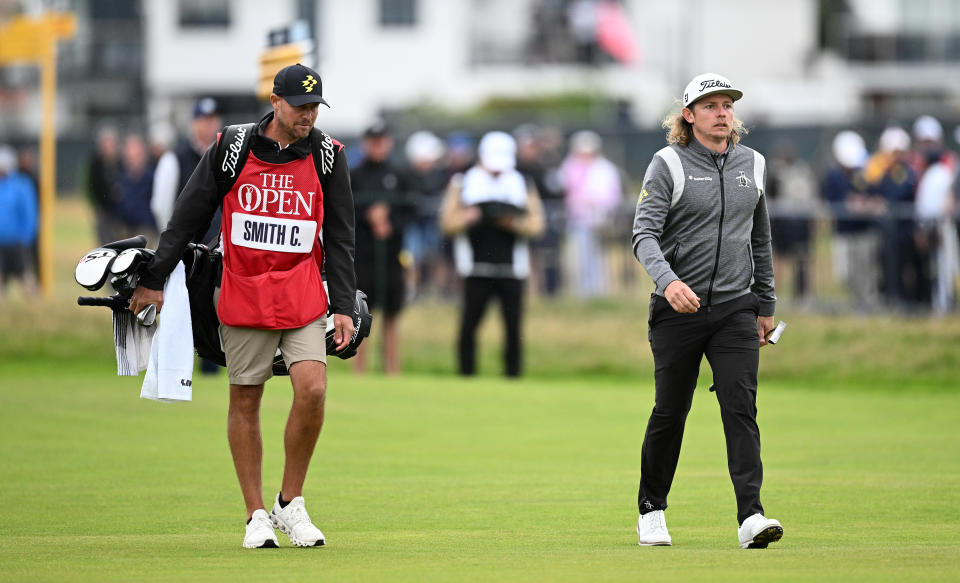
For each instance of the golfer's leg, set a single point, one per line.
(677, 352)
(243, 433)
(309, 378)
(733, 352)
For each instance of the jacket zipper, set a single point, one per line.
(716, 261)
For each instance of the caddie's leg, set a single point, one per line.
(309, 378)
(733, 352)
(243, 432)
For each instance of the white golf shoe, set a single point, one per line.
(260, 533)
(293, 521)
(652, 530)
(759, 531)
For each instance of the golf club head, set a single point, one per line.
(129, 260)
(148, 315)
(94, 267)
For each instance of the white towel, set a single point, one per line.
(169, 377)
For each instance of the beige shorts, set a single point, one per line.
(250, 351)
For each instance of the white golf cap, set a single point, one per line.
(423, 145)
(927, 128)
(709, 84)
(849, 149)
(498, 151)
(894, 139)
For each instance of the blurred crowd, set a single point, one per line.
(894, 243)
(889, 207)
(133, 179)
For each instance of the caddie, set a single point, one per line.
(284, 190)
(702, 233)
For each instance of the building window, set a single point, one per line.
(398, 12)
(204, 13)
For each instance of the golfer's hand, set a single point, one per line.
(764, 327)
(681, 298)
(142, 297)
(342, 330)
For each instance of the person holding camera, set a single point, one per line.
(492, 211)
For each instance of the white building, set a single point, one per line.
(377, 54)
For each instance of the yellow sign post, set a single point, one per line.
(33, 40)
(274, 58)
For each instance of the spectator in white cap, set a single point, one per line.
(937, 241)
(856, 241)
(427, 180)
(491, 211)
(893, 179)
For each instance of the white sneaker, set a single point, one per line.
(293, 521)
(758, 531)
(260, 533)
(652, 530)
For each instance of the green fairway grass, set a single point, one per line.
(428, 478)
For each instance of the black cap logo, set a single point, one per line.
(308, 83)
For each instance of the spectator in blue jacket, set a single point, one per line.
(18, 223)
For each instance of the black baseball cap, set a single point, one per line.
(206, 107)
(299, 85)
(377, 129)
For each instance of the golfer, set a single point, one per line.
(702, 233)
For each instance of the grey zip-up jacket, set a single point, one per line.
(702, 218)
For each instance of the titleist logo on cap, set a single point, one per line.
(713, 83)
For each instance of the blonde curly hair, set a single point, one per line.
(680, 131)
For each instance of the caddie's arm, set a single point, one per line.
(195, 208)
(338, 249)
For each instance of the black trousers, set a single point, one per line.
(478, 291)
(727, 335)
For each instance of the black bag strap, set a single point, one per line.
(324, 154)
(234, 147)
(232, 151)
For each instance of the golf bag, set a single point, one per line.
(121, 262)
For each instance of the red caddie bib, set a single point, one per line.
(271, 253)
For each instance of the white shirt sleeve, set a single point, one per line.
(165, 180)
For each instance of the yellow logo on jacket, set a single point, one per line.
(309, 82)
